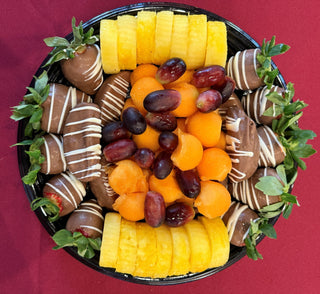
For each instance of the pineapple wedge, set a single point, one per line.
(127, 41)
(164, 252)
(181, 251)
(127, 251)
(146, 25)
(110, 240)
(179, 40)
(199, 246)
(109, 46)
(219, 240)
(217, 48)
(162, 40)
(146, 251)
(197, 41)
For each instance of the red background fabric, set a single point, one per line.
(28, 265)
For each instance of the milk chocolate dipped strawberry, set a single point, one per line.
(242, 144)
(238, 220)
(272, 152)
(81, 141)
(79, 59)
(111, 96)
(52, 150)
(247, 193)
(61, 195)
(83, 229)
(100, 187)
(256, 103)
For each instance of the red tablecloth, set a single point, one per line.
(28, 265)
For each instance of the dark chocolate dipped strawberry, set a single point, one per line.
(61, 195)
(52, 150)
(247, 193)
(79, 59)
(83, 229)
(100, 187)
(242, 144)
(256, 103)
(272, 152)
(81, 141)
(238, 220)
(111, 96)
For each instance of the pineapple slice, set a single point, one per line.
(217, 48)
(127, 251)
(146, 24)
(127, 41)
(109, 46)
(219, 240)
(197, 41)
(199, 246)
(110, 240)
(162, 39)
(181, 251)
(179, 40)
(146, 251)
(164, 252)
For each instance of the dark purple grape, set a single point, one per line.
(189, 182)
(209, 100)
(168, 141)
(162, 165)
(178, 214)
(162, 100)
(209, 76)
(171, 70)
(227, 89)
(134, 121)
(113, 131)
(119, 150)
(154, 209)
(144, 157)
(162, 121)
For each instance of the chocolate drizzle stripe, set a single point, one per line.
(83, 159)
(70, 199)
(91, 130)
(93, 149)
(76, 184)
(92, 228)
(233, 219)
(85, 108)
(92, 211)
(91, 119)
(243, 68)
(52, 94)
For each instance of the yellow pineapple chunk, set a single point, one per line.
(127, 41)
(181, 251)
(146, 24)
(217, 48)
(162, 40)
(127, 251)
(199, 246)
(219, 240)
(197, 41)
(110, 240)
(109, 46)
(179, 40)
(164, 252)
(146, 251)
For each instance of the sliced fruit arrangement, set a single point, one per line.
(154, 37)
(145, 251)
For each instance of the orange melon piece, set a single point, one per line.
(143, 70)
(148, 139)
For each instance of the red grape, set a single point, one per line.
(154, 209)
(162, 100)
(209, 100)
(162, 121)
(209, 76)
(144, 157)
(171, 70)
(179, 214)
(168, 141)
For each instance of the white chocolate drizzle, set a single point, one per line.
(95, 70)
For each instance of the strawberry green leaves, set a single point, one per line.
(85, 246)
(63, 49)
(50, 208)
(268, 50)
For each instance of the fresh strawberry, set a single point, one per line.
(51, 204)
(80, 59)
(55, 199)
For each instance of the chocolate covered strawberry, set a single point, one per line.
(79, 59)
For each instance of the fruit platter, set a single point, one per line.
(158, 143)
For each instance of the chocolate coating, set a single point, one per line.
(87, 219)
(242, 68)
(111, 96)
(56, 107)
(242, 144)
(81, 141)
(247, 193)
(237, 220)
(84, 71)
(52, 150)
